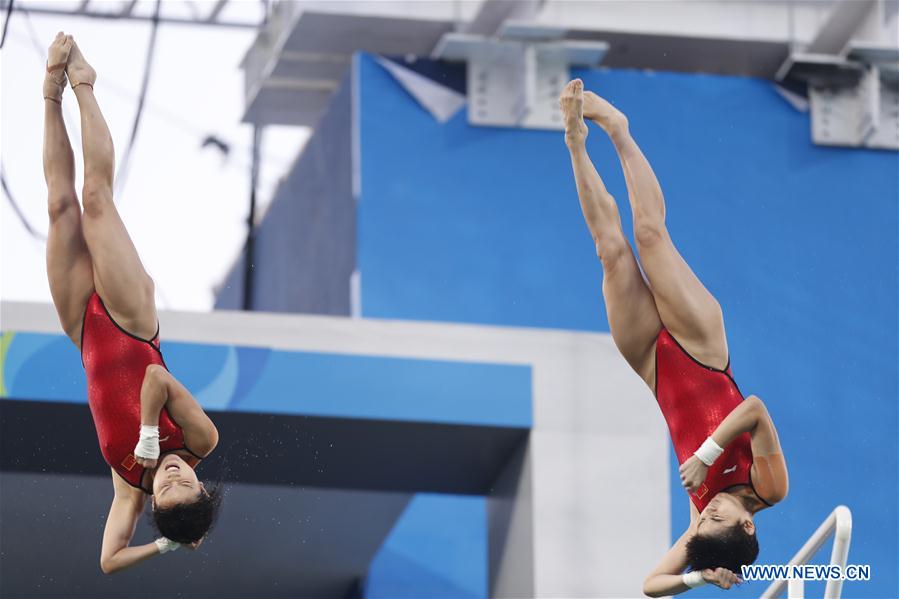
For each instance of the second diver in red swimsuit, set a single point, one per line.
(670, 330)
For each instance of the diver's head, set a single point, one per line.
(725, 536)
(183, 510)
(174, 482)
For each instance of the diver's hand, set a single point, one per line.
(193, 546)
(145, 462)
(146, 452)
(165, 545)
(693, 473)
(720, 577)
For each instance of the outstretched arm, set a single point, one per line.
(751, 417)
(125, 511)
(668, 579)
(161, 390)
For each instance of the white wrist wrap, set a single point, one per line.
(693, 579)
(165, 545)
(148, 444)
(708, 452)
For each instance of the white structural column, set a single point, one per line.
(510, 526)
(600, 474)
(597, 455)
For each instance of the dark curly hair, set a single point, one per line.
(731, 549)
(189, 522)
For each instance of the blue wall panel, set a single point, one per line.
(288, 382)
(305, 245)
(437, 549)
(798, 243)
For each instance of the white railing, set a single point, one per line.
(839, 525)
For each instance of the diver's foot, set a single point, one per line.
(572, 104)
(78, 69)
(57, 58)
(601, 112)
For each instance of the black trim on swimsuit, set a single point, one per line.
(119, 327)
(144, 470)
(689, 355)
(756, 493)
(735, 485)
(81, 344)
(713, 369)
(706, 366)
(132, 335)
(161, 357)
(189, 450)
(130, 484)
(655, 382)
(752, 488)
(184, 447)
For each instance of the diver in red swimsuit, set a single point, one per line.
(152, 432)
(670, 330)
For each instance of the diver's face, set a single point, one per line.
(724, 512)
(175, 482)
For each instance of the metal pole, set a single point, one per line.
(796, 588)
(249, 248)
(6, 23)
(837, 524)
(840, 553)
(124, 16)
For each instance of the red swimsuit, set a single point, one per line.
(695, 398)
(115, 362)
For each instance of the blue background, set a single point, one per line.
(437, 549)
(260, 380)
(797, 242)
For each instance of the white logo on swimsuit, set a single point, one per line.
(731, 469)
(166, 438)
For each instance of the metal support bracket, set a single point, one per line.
(854, 100)
(517, 82)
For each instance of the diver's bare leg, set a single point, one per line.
(69, 269)
(633, 319)
(686, 307)
(119, 275)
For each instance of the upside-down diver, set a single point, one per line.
(152, 432)
(670, 329)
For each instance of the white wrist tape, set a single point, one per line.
(693, 579)
(148, 444)
(165, 545)
(708, 452)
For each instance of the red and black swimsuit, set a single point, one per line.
(115, 362)
(694, 399)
